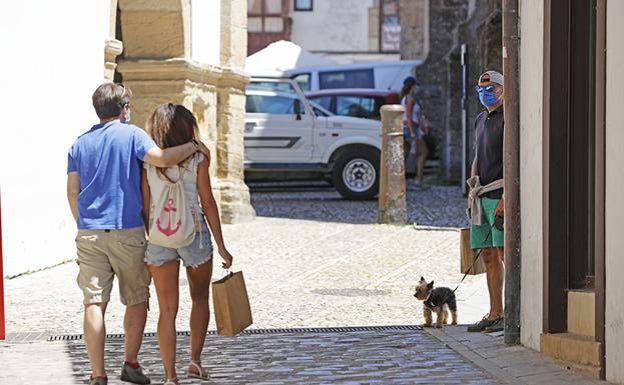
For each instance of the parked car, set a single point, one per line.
(289, 137)
(356, 102)
(384, 75)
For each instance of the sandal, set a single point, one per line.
(172, 381)
(201, 373)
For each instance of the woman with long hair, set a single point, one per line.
(413, 131)
(169, 126)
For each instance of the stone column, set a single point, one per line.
(392, 203)
(235, 200)
(178, 81)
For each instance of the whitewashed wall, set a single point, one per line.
(531, 101)
(344, 23)
(614, 218)
(206, 31)
(52, 61)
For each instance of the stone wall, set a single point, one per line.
(414, 28)
(452, 23)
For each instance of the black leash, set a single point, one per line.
(476, 258)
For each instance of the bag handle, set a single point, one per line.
(228, 273)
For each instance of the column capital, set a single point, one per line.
(234, 78)
(112, 49)
(170, 69)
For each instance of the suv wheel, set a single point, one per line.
(356, 174)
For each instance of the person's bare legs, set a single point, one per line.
(166, 282)
(495, 272)
(199, 287)
(94, 334)
(421, 158)
(134, 325)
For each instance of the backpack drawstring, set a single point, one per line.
(201, 230)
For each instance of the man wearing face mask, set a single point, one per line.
(104, 193)
(486, 202)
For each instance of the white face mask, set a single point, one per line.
(125, 118)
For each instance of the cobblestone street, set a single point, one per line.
(317, 357)
(311, 260)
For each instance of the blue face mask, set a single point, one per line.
(487, 95)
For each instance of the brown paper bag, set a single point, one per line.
(468, 255)
(231, 304)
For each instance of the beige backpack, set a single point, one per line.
(172, 225)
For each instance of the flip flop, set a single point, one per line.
(201, 373)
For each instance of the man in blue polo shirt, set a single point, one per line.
(104, 193)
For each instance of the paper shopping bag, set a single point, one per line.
(231, 304)
(467, 255)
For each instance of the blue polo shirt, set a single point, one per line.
(108, 159)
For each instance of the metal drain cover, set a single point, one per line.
(340, 329)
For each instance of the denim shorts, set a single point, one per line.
(408, 137)
(198, 252)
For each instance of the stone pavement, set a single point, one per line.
(376, 356)
(515, 365)
(310, 260)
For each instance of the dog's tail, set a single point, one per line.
(452, 303)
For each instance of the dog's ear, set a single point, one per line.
(422, 279)
(430, 285)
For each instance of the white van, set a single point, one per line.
(384, 75)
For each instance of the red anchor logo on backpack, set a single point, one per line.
(168, 231)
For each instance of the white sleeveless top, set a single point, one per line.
(415, 111)
(189, 181)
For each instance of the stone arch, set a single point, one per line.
(155, 29)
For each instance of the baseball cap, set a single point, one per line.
(409, 80)
(495, 77)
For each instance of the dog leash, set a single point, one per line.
(476, 258)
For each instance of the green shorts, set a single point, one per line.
(486, 235)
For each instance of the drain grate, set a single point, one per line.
(348, 329)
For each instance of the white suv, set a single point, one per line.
(290, 137)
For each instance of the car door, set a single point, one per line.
(273, 132)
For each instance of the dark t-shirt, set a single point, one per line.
(489, 128)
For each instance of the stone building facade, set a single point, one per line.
(158, 65)
(192, 53)
(344, 31)
(476, 23)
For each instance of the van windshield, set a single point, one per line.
(271, 86)
(304, 81)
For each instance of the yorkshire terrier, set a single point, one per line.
(438, 300)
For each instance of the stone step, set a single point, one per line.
(578, 351)
(582, 312)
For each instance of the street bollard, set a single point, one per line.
(392, 204)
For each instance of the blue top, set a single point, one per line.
(489, 137)
(108, 159)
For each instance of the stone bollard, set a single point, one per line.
(392, 204)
